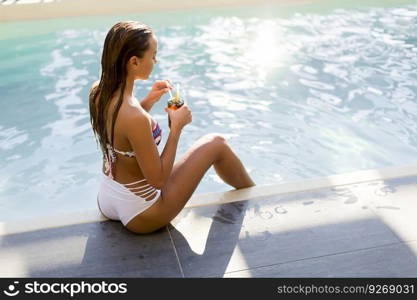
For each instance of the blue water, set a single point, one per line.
(299, 93)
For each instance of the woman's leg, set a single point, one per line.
(185, 177)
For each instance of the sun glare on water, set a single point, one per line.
(267, 50)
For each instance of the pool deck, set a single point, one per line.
(361, 224)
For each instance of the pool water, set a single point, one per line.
(299, 91)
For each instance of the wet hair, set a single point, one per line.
(124, 40)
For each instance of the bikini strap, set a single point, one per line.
(109, 164)
(127, 153)
(111, 153)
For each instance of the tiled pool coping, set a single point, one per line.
(218, 198)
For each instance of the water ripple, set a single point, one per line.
(300, 96)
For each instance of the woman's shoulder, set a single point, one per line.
(131, 120)
(134, 114)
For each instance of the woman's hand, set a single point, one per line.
(179, 117)
(159, 88)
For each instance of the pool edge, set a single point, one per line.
(217, 198)
(79, 8)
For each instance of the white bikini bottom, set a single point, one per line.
(122, 202)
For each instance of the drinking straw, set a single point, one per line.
(169, 90)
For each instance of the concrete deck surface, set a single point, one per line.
(357, 230)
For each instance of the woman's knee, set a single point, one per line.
(215, 139)
(214, 143)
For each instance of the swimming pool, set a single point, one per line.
(300, 92)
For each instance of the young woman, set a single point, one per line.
(142, 189)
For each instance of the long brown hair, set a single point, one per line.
(124, 40)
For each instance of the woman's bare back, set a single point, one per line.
(126, 169)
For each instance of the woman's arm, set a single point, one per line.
(147, 104)
(155, 168)
(169, 152)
